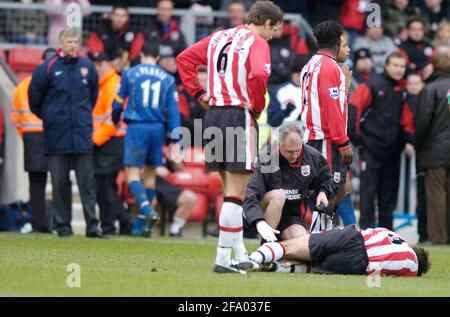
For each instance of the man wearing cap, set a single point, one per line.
(63, 92)
(30, 129)
(108, 148)
(363, 65)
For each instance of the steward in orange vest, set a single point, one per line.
(31, 130)
(108, 150)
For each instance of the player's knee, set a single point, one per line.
(278, 197)
(188, 198)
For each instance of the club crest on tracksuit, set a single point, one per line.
(306, 170)
(337, 177)
(84, 71)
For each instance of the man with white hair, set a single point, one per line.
(63, 91)
(277, 197)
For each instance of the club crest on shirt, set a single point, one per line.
(84, 71)
(337, 177)
(306, 170)
(334, 92)
(267, 68)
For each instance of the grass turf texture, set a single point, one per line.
(35, 265)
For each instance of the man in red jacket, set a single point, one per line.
(238, 64)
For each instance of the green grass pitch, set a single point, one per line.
(35, 265)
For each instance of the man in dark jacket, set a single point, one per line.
(63, 92)
(433, 146)
(278, 198)
(375, 124)
(416, 49)
(115, 36)
(164, 30)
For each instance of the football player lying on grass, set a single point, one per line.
(344, 251)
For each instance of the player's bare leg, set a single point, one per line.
(272, 205)
(296, 249)
(293, 231)
(230, 222)
(185, 203)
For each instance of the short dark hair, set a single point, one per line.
(416, 19)
(394, 55)
(328, 34)
(120, 4)
(261, 11)
(423, 259)
(150, 49)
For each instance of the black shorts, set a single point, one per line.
(288, 220)
(235, 150)
(334, 158)
(340, 251)
(167, 194)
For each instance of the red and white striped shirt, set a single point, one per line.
(324, 100)
(388, 253)
(238, 66)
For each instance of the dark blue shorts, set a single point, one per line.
(143, 144)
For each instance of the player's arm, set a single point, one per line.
(328, 84)
(188, 62)
(37, 91)
(119, 99)
(172, 113)
(259, 58)
(358, 104)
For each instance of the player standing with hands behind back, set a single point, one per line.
(238, 64)
(152, 104)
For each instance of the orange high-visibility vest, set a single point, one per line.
(104, 128)
(21, 115)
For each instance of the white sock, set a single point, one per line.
(240, 252)
(230, 229)
(177, 224)
(299, 268)
(268, 252)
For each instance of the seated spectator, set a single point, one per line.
(442, 35)
(285, 98)
(416, 50)
(178, 201)
(396, 16)
(236, 14)
(115, 36)
(435, 12)
(165, 30)
(362, 65)
(25, 26)
(379, 46)
(286, 45)
(203, 23)
(57, 18)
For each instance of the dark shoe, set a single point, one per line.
(65, 234)
(148, 225)
(228, 269)
(96, 234)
